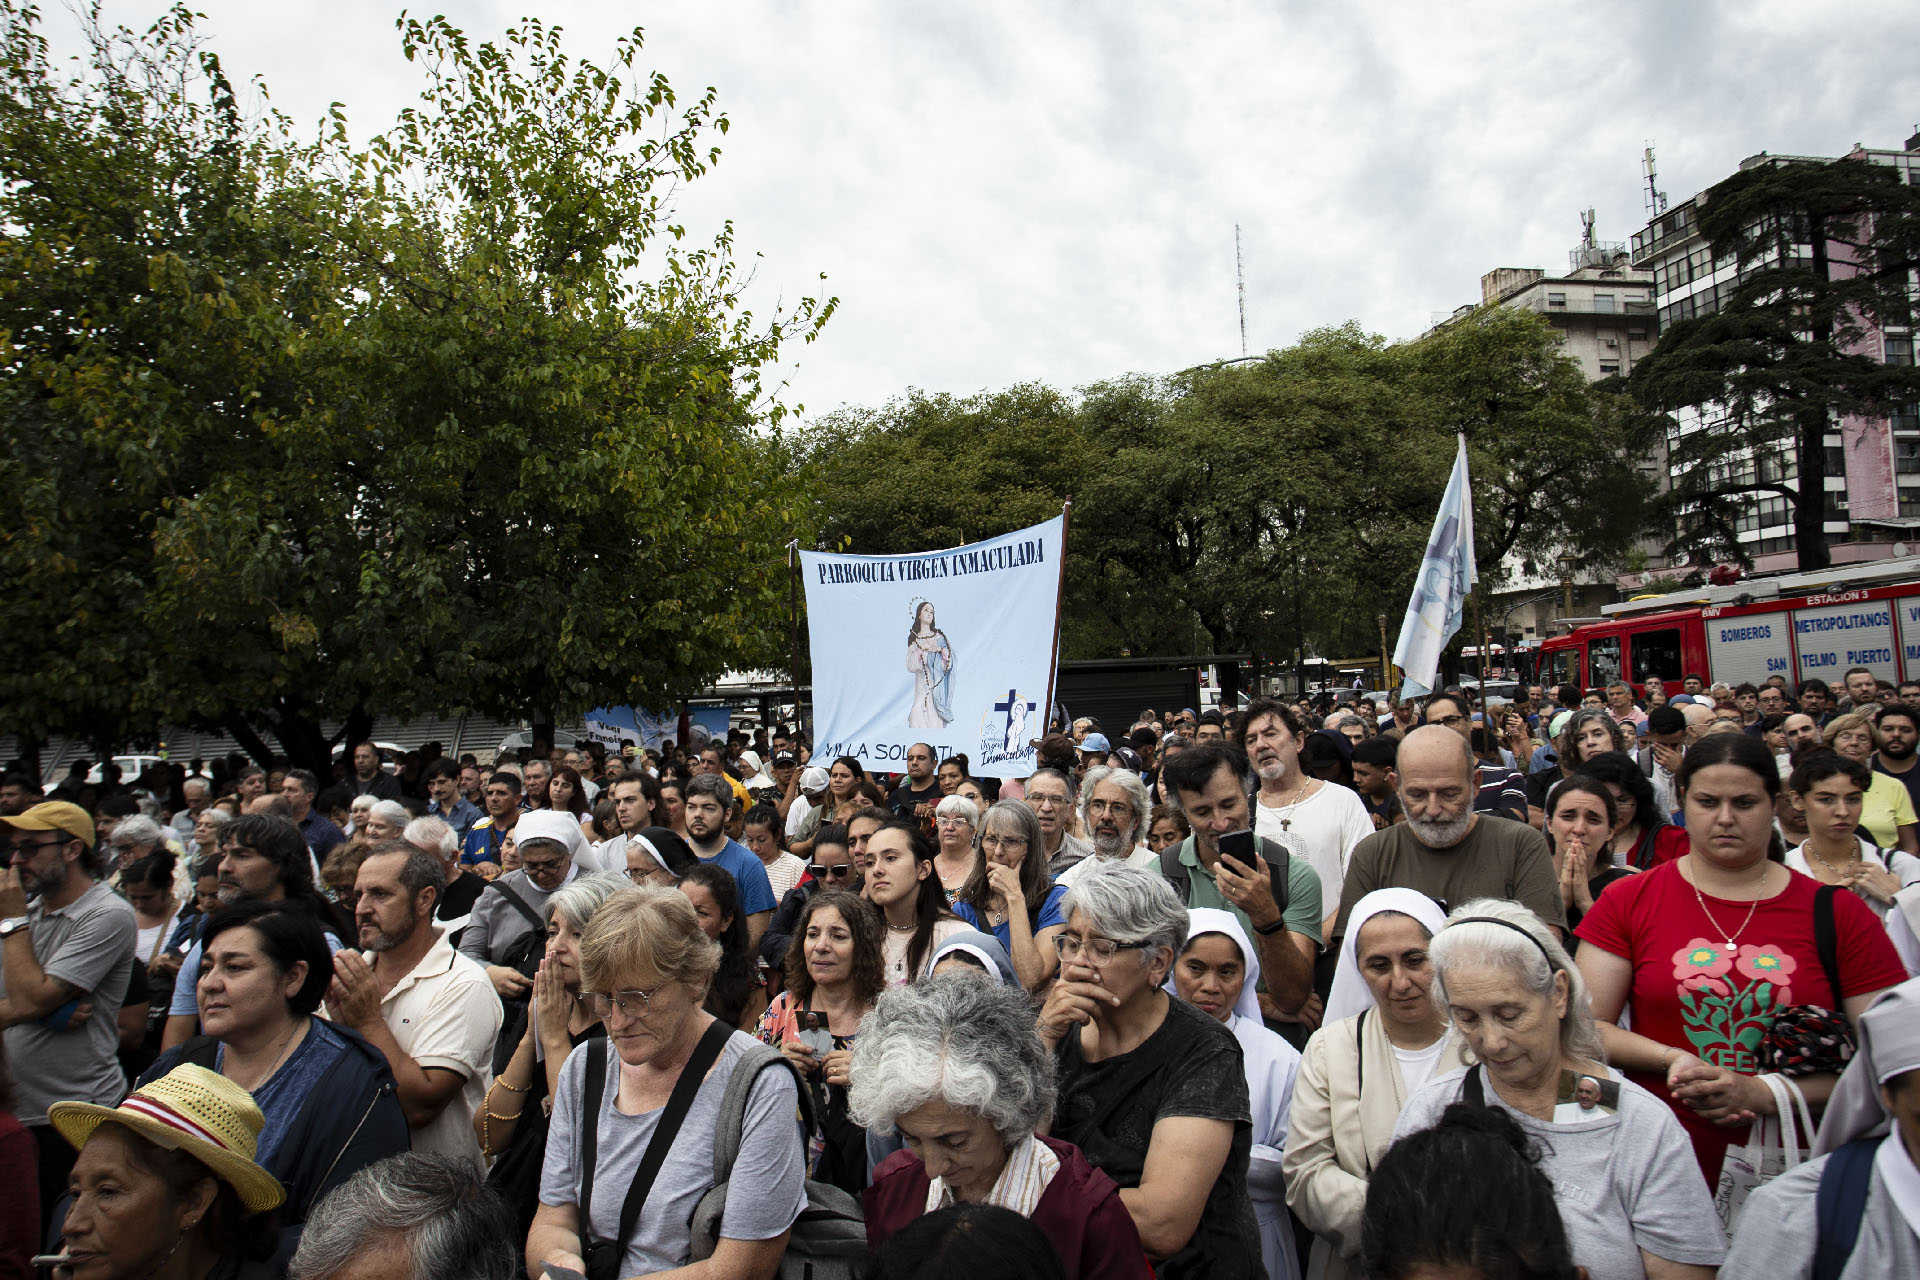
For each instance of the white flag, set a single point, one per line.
(1446, 578)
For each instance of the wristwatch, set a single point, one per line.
(12, 925)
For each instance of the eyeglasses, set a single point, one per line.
(1097, 950)
(1003, 842)
(1100, 808)
(1451, 722)
(639, 875)
(951, 820)
(631, 1004)
(543, 868)
(838, 871)
(25, 848)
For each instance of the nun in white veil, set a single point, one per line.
(1382, 1038)
(1867, 1167)
(1222, 981)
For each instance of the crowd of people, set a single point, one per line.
(1311, 989)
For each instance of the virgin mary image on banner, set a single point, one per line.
(930, 659)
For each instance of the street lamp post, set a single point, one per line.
(1568, 562)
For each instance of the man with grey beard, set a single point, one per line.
(1446, 850)
(1114, 811)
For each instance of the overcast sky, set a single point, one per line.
(1003, 192)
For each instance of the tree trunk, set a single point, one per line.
(359, 727)
(250, 742)
(298, 729)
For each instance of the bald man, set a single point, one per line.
(1446, 850)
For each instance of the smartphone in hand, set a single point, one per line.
(1239, 845)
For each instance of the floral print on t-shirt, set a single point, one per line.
(1728, 999)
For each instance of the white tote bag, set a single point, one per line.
(1775, 1144)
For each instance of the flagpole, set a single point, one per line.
(1059, 606)
(793, 650)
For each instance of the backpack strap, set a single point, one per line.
(1278, 868)
(730, 1128)
(1826, 940)
(1839, 1204)
(520, 904)
(1175, 871)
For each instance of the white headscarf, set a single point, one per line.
(560, 826)
(1212, 920)
(1889, 1036)
(1351, 994)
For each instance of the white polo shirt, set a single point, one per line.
(446, 1014)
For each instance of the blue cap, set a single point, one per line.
(1095, 742)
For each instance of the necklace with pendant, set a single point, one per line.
(1286, 810)
(1752, 906)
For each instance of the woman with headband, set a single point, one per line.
(1633, 1204)
(1382, 1039)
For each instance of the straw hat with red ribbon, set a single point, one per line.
(189, 1109)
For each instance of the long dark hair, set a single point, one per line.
(1618, 769)
(930, 901)
(577, 806)
(869, 954)
(733, 982)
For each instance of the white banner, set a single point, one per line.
(950, 648)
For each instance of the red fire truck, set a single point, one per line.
(1798, 625)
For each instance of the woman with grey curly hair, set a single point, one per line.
(1521, 1006)
(953, 1064)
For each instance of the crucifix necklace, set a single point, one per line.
(1286, 810)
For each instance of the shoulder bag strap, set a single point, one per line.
(1360, 1053)
(705, 1054)
(596, 1083)
(1826, 940)
(520, 904)
(1360, 1079)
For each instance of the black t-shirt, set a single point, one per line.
(903, 800)
(460, 896)
(1191, 1066)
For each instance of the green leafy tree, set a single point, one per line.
(463, 420)
(1826, 253)
(1265, 508)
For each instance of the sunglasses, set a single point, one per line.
(839, 871)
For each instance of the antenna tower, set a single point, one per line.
(1656, 198)
(1240, 276)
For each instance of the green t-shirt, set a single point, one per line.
(1303, 891)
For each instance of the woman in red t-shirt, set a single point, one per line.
(1703, 950)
